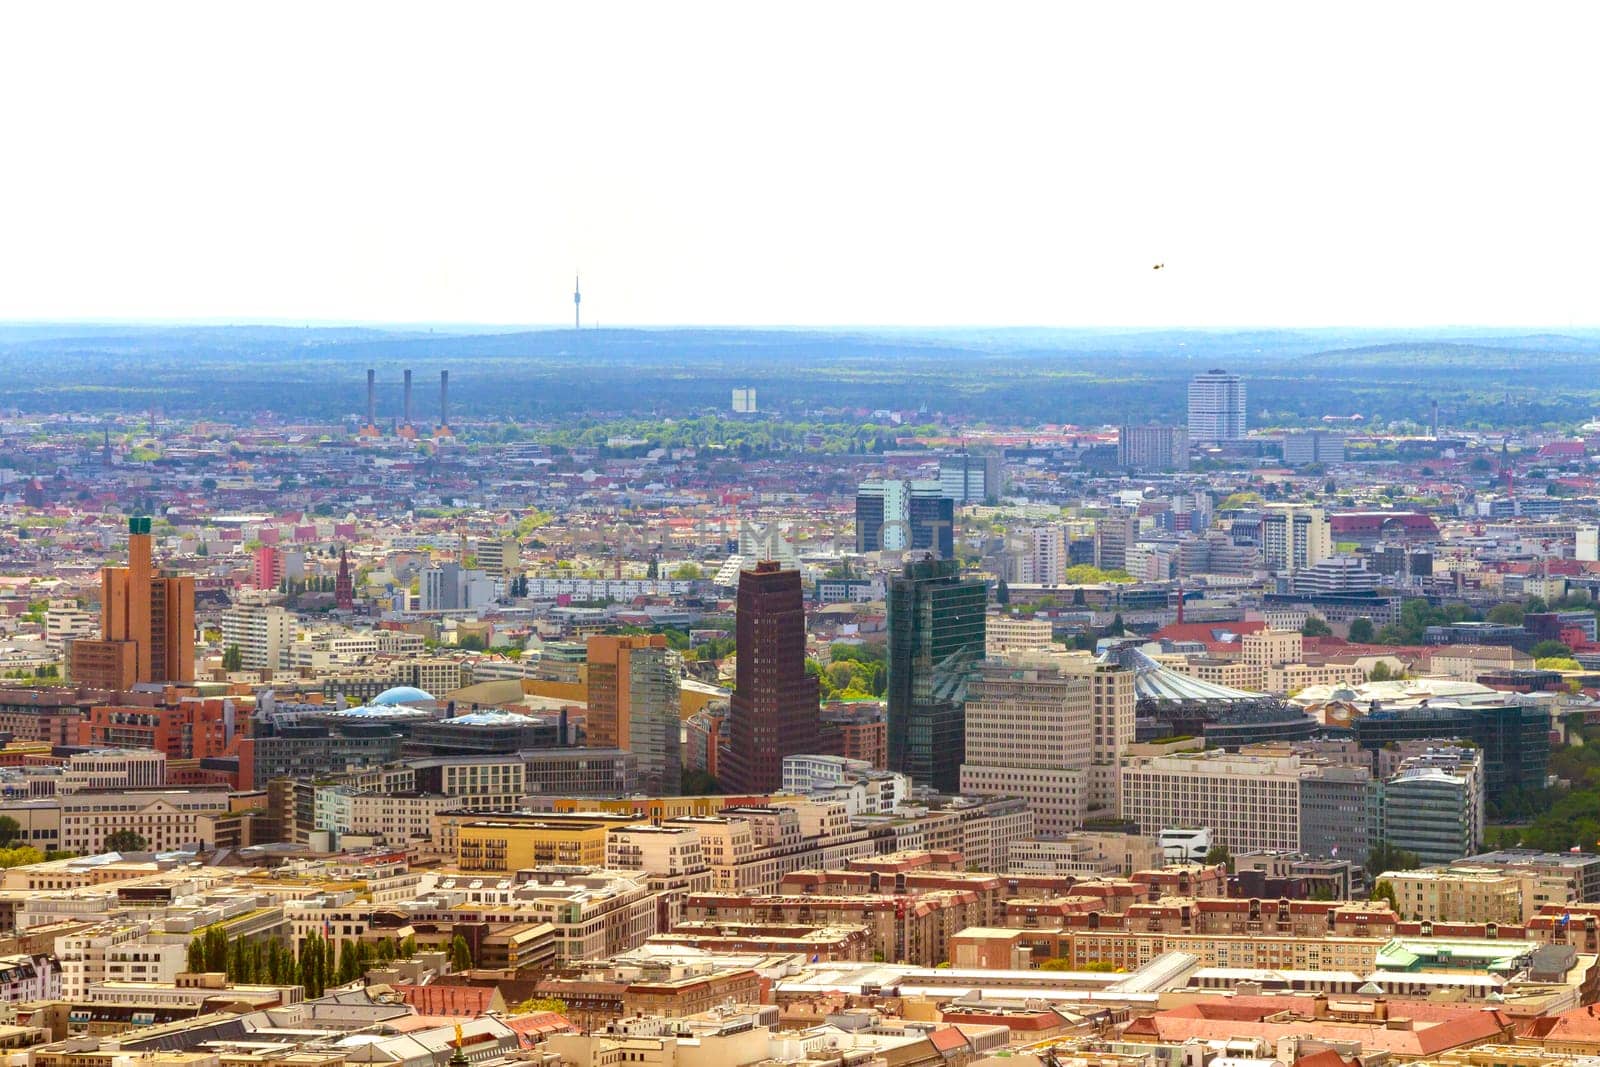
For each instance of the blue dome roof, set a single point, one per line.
(403, 694)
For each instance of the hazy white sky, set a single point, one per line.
(805, 163)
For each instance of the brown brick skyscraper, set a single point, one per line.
(773, 712)
(146, 624)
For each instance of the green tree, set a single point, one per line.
(1385, 891)
(197, 955)
(314, 964)
(125, 841)
(408, 947)
(1002, 593)
(21, 856)
(1386, 857)
(460, 955)
(232, 659)
(1362, 631)
(349, 962)
(1550, 650)
(534, 1004)
(1316, 627)
(1220, 854)
(1506, 614)
(10, 830)
(698, 784)
(1380, 672)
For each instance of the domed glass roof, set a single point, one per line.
(403, 694)
(488, 718)
(380, 711)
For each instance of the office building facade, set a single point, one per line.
(1029, 727)
(896, 515)
(633, 704)
(936, 641)
(970, 478)
(146, 624)
(774, 711)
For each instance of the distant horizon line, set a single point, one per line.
(412, 326)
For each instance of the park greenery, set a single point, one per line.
(855, 672)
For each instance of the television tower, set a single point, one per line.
(577, 301)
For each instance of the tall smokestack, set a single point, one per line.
(408, 398)
(444, 400)
(1435, 413)
(372, 389)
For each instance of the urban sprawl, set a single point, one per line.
(395, 740)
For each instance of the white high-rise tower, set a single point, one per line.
(1216, 407)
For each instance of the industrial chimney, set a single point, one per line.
(408, 428)
(444, 405)
(371, 428)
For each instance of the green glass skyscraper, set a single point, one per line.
(936, 635)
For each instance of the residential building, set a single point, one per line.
(750, 849)
(1114, 535)
(936, 641)
(1576, 873)
(452, 587)
(191, 728)
(263, 634)
(1038, 555)
(1294, 537)
(1216, 407)
(1153, 448)
(773, 712)
(862, 788)
(1086, 854)
(500, 558)
(1458, 896)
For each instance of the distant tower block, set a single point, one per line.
(408, 428)
(744, 401)
(371, 428)
(444, 429)
(577, 302)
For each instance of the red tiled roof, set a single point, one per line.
(1579, 1024)
(532, 1029)
(462, 1000)
(1208, 632)
(948, 1039)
